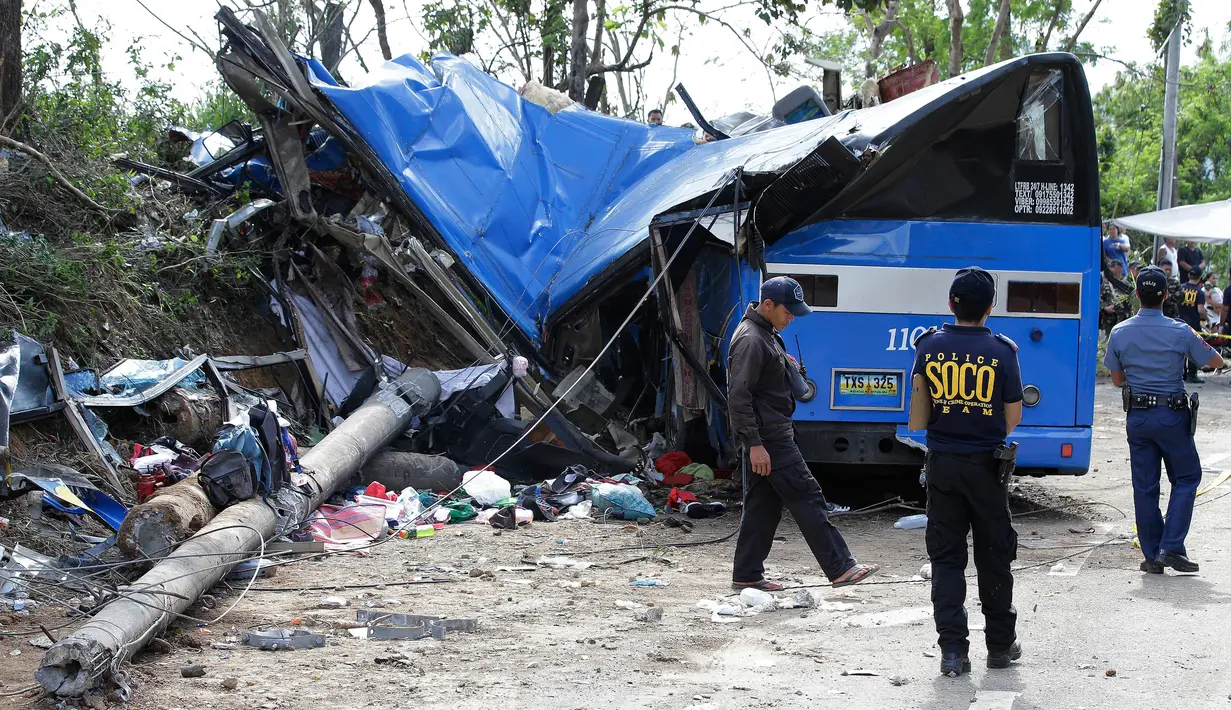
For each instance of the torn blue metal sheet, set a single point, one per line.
(510, 187)
(97, 503)
(134, 382)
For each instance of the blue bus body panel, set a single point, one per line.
(947, 245)
(1040, 447)
(1056, 354)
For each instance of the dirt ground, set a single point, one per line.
(547, 637)
(554, 638)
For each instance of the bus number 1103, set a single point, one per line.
(904, 338)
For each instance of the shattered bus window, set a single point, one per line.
(1038, 121)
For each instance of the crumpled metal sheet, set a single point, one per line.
(10, 370)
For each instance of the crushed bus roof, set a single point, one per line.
(537, 206)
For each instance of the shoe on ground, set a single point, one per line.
(1177, 562)
(1151, 567)
(1002, 659)
(954, 664)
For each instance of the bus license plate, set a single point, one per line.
(875, 384)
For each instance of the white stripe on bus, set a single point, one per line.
(909, 290)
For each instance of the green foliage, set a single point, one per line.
(82, 283)
(453, 26)
(80, 294)
(1167, 15)
(1129, 117)
(218, 106)
(927, 24)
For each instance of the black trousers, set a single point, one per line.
(1191, 368)
(764, 496)
(965, 495)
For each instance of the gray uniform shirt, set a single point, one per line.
(1150, 349)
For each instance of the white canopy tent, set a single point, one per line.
(1208, 222)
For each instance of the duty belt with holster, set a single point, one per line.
(1178, 401)
(1006, 462)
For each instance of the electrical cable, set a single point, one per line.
(1123, 515)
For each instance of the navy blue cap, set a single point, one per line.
(973, 283)
(1194, 273)
(788, 292)
(1151, 281)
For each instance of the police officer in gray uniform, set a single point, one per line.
(1146, 356)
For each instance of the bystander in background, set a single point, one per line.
(1116, 247)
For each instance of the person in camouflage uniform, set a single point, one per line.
(1114, 305)
(1134, 303)
(1171, 304)
(1107, 306)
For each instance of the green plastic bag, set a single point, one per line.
(698, 471)
(460, 511)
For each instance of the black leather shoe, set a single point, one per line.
(1002, 659)
(1177, 562)
(954, 664)
(1151, 567)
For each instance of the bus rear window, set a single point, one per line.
(1043, 297)
(1039, 120)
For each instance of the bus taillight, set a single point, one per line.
(1066, 451)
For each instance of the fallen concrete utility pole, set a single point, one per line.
(152, 528)
(399, 469)
(78, 662)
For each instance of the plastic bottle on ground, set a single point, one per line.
(912, 522)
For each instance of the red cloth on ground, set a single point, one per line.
(669, 463)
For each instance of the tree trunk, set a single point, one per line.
(877, 34)
(1045, 39)
(1001, 22)
(10, 60)
(382, 30)
(1006, 38)
(955, 37)
(553, 16)
(1072, 43)
(332, 33)
(577, 64)
(596, 84)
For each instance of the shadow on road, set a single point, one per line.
(1181, 591)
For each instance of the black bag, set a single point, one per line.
(265, 423)
(227, 478)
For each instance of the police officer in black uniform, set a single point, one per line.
(1191, 310)
(967, 392)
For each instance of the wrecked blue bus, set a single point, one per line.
(618, 257)
(1006, 180)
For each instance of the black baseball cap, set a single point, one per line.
(1151, 281)
(788, 292)
(1194, 273)
(973, 283)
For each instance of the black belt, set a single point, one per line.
(1177, 401)
(972, 457)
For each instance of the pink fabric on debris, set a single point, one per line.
(348, 526)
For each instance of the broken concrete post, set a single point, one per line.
(191, 416)
(78, 662)
(423, 472)
(152, 528)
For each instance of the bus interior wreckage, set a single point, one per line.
(616, 257)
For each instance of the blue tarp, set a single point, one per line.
(536, 205)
